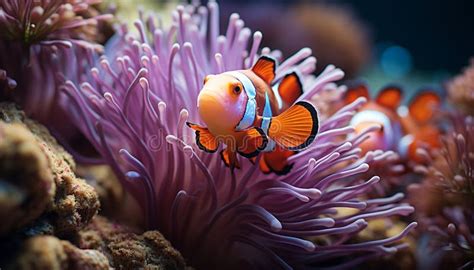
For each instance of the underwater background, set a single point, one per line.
(108, 159)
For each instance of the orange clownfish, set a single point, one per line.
(244, 112)
(418, 123)
(381, 111)
(403, 129)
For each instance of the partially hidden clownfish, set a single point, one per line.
(243, 111)
(403, 129)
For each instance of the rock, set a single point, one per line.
(128, 250)
(26, 181)
(66, 203)
(49, 252)
(108, 187)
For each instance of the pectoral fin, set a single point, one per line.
(290, 88)
(296, 128)
(204, 139)
(254, 141)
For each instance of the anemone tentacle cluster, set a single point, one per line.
(134, 109)
(446, 209)
(42, 43)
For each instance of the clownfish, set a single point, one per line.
(243, 111)
(418, 124)
(403, 129)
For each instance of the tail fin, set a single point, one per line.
(295, 128)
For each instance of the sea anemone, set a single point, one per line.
(41, 43)
(461, 90)
(445, 198)
(134, 112)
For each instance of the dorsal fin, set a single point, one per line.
(265, 68)
(355, 91)
(290, 88)
(423, 107)
(390, 97)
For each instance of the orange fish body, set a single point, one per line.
(242, 111)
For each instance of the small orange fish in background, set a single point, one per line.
(403, 129)
(418, 123)
(243, 111)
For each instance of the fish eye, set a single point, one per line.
(237, 89)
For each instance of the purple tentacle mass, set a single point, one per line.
(134, 109)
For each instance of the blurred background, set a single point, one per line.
(416, 44)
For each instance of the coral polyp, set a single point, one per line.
(134, 108)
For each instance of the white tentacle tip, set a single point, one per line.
(171, 139)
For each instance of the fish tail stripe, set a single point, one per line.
(278, 98)
(266, 120)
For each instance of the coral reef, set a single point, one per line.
(144, 196)
(65, 203)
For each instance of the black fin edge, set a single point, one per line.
(259, 149)
(198, 141)
(315, 128)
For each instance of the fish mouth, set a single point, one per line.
(210, 107)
